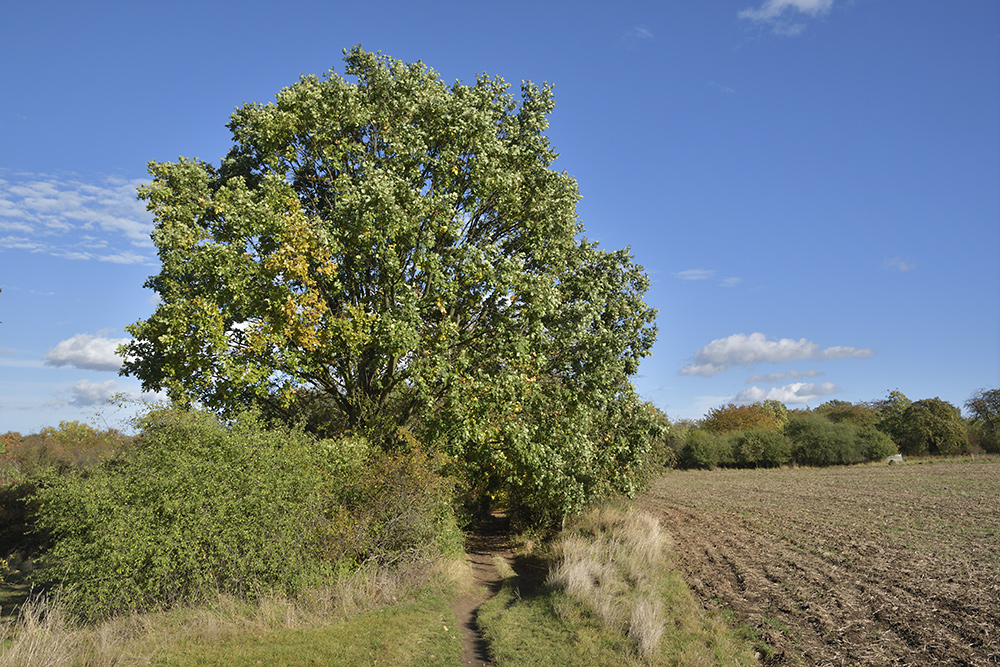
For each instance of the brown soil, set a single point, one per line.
(876, 565)
(488, 541)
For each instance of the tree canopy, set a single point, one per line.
(984, 408)
(395, 256)
(933, 426)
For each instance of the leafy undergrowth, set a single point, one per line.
(398, 617)
(613, 597)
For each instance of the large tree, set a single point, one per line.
(393, 255)
(933, 426)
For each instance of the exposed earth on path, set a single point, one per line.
(873, 565)
(488, 545)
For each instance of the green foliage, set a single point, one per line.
(762, 448)
(759, 416)
(663, 450)
(933, 426)
(200, 506)
(875, 445)
(17, 529)
(72, 445)
(859, 414)
(705, 449)
(196, 508)
(820, 442)
(396, 255)
(396, 507)
(890, 414)
(984, 427)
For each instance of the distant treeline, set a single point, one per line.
(767, 434)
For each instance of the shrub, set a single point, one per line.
(399, 508)
(818, 441)
(71, 445)
(769, 449)
(933, 426)
(984, 423)
(875, 445)
(197, 507)
(760, 416)
(704, 449)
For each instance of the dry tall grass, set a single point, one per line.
(613, 563)
(42, 636)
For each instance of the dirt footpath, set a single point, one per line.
(489, 542)
(875, 565)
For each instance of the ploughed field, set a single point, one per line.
(873, 565)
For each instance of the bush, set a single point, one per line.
(933, 426)
(876, 445)
(197, 507)
(399, 508)
(704, 449)
(71, 445)
(762, 448)
(818, 441)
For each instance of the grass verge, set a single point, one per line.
(398, 617)
(613, 597)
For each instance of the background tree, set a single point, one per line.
(984, 408)
(890, 414)
(396, 257)
(933, 426)
(731, 417)
(859, 414)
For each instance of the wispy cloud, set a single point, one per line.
(74, 219)
(635, 36)
(707, 274)
(771, 378)
(797, 393)
(743, 350)
(720, 88)
(695, 274)
(85, 394)
(784, 16)
(88, 352)
(897, 264)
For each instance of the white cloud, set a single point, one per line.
(86, 393)
(897, 264)
(781, 15)
(720, 88)
(707, 274)
(695, 274)
(771, 378)
(70, 218)
(743, 350)
(641, 32)
(634, 37)
(797, 393)
(88, 352)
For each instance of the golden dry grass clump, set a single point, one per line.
(613, 564)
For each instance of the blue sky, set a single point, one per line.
(813, 186)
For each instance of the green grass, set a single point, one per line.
(614, 597)
(384, 617)
(422, 632)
